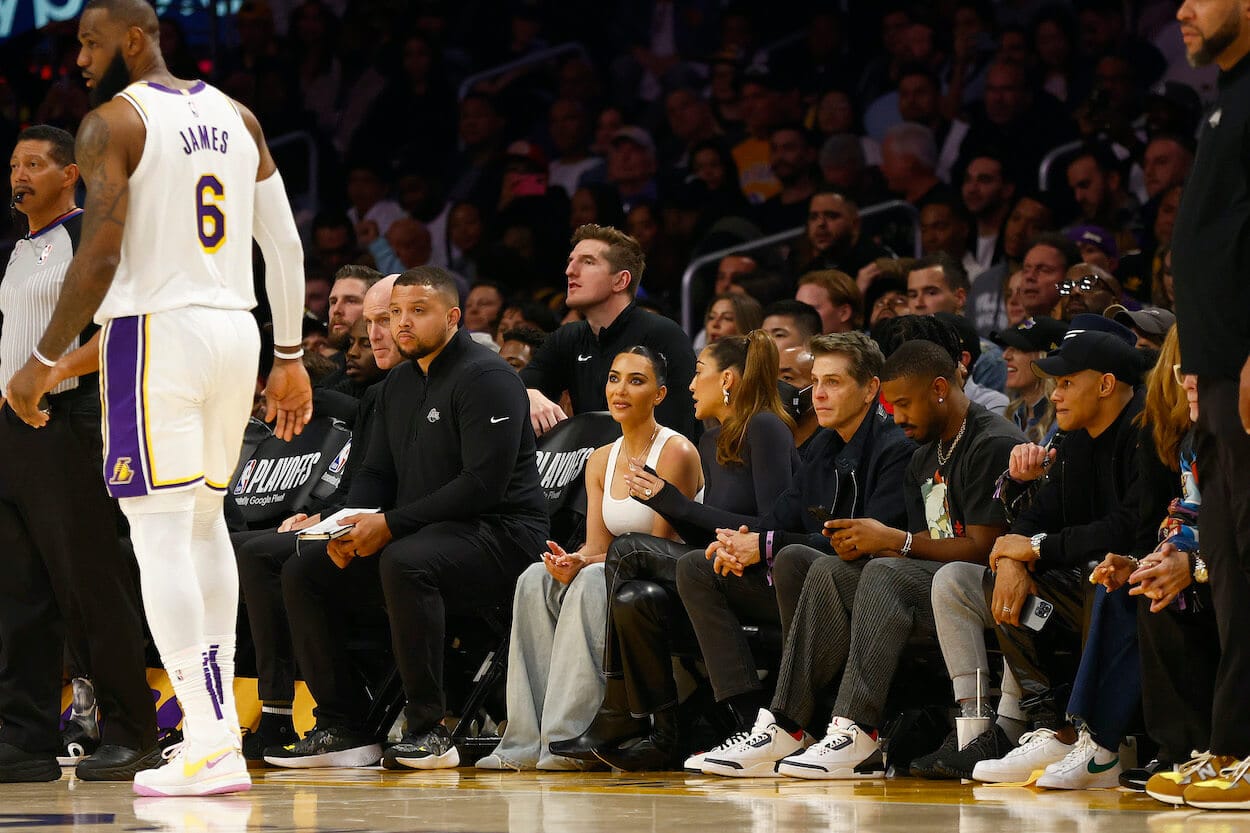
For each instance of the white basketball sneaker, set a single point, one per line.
(756, 755)
(846, 752)
(1037, 750)
(191, 768)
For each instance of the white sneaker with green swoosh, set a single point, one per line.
(1087, 767)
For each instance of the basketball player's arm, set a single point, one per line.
(288, 392)
(80, 362)
(108, 145)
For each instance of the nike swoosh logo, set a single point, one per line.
(582, 358)
(497, 420)
(190, 770)
(1094, 768)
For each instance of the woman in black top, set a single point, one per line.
(748, 460)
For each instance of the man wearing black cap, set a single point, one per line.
(1086, 506)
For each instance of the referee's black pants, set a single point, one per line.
(59, 553)
(1224, 529)
(446, 567)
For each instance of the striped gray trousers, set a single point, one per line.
(853, 619)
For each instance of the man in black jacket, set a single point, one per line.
(1087, 506)
(604, 272)
(1212, 263)
(452, 465)
(854, 469)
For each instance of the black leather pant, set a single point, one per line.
(646, 619)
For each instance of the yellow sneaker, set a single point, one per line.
(1230, 790)
(1169, 787)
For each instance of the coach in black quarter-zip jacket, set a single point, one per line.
(452, 464)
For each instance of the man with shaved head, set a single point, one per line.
(179, 180)
(262, 555)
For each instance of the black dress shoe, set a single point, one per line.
(609, 730)
(117, 763)
(17, 766)
(655, 752)
(1135, 779)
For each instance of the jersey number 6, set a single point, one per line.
(211, 222)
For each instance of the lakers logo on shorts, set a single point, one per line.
(122, 472)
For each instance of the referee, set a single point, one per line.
(60, 556)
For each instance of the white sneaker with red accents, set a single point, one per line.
(846, 752)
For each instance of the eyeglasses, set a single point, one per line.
(1086, 284)
(896, 302)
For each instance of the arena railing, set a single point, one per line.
(1048, 162)
(873, 212)
(524, 62)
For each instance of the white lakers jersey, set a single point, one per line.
(188, 239)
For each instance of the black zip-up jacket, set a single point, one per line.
(1211, 241)
(1090, 503)
(859, 479)
(573, 358)
(456, 445)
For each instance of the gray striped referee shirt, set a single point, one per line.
(29, 292)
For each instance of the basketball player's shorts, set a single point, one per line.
(176, 389)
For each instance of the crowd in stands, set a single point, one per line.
(972, 441)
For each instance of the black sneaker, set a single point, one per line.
(431, 749)
(327, 747)
(267, 737)
(1135, 779)
(991, 744)
(117, 763)
(77, 742)
(17, 766)
(926, 765)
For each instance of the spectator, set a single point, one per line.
(1150, 326)
(760, 113)
(366, 191)
(1014, 115)
(691, 123)
(604, 271)
(792, 158)
(714, 166)
(483, 308)
(568, 125)
(845, 167)
(792, 323)
(1096, 245)
(1100, 190)
(1016, 313)
(1030, 407)
(1029, 217)
(732, 314)
(920, 102)
(478, 169)
(835, 297)
(632, 166)
(909, 162)
(987, 192)
(1055, 40)
(522, 312)
(719, 589)
(944, 227)
(334, 240)
(834, 240)
(886, 298)
(519, 345)
(465, 233)
(1047, 261)
(1166, 162)
(794, 378)
(596, 203)
(1087, 288)
(347, 301)
(555, 653)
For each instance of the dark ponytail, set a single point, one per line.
(755, 357)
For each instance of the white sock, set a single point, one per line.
(221, 667)
(191, 676)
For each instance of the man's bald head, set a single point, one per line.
(377, 314)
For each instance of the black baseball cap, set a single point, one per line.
(1092, 350)
(1102, 324)
(1036, 334)
(1153, 322)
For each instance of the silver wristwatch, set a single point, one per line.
(1036, 543)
